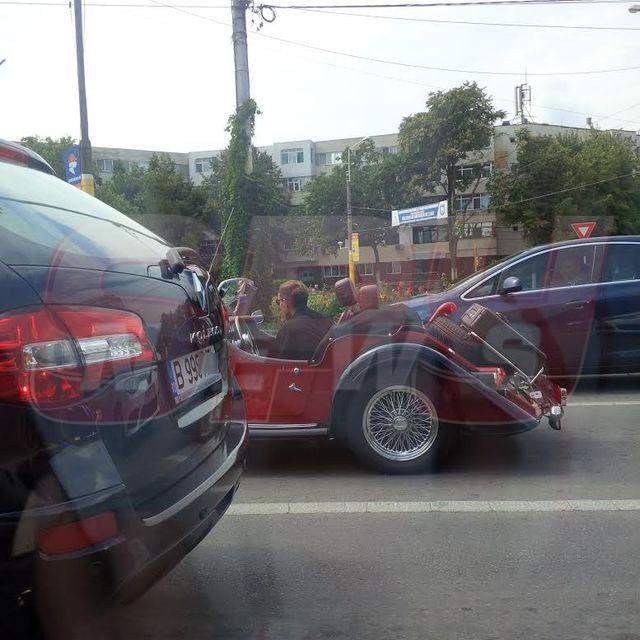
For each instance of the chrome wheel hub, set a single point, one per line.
(400, 423)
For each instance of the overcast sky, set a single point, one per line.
(160, 79)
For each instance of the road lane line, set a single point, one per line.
(604, 403)
(435, 506)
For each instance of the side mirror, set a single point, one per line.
(510, 285)
(258, 316)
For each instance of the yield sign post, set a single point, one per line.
(583, 229)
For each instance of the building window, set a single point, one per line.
(204, 165)
(292, 156)
(395, 268)
(143, 164)
(105, 165)
(294, 184)
(478, 230)
(321, 159)
(467, 172)
(335, 157)
(365, 268)
(433, 233)
(334, 271)
(472, 203)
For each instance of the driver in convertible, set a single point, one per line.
(302, 328)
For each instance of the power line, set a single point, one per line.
(267, 36)
(413, 5)
(530, 199)
(409, 65)
(470, 22)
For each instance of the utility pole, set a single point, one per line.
(241, 61)
(352, 267)
(86, 183)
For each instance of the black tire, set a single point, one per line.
(455, 337)
(358, 432)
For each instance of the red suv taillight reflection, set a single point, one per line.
(52, 356)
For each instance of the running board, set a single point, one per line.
(286, 430)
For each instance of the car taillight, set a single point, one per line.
(74, 536)
(14, 155)
(55, 355)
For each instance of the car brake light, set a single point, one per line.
(14, 155)
(55, 355)
(74, 536)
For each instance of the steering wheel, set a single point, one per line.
(245, 336)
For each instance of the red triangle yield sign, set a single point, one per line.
(583, 229)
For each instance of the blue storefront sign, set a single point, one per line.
(72, 164)
(423, 213)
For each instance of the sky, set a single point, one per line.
(162, 79)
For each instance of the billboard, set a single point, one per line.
(423, 213)
(72, 165)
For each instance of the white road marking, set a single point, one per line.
(604, 403)
(436, 506)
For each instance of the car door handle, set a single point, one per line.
(578, 304)
(295, 388)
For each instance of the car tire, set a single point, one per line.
(455, 337)
(418, 439)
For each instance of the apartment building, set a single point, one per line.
(419, 252)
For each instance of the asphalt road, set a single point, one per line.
(534, 569)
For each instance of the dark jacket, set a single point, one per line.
(299, 336)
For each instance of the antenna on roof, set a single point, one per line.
(523, 102)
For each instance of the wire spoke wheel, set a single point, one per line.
(400, 423)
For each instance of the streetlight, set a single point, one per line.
(634, 8)
(352, 268)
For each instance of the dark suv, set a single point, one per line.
(578, 301)
(123, 432)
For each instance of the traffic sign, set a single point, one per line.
(72, 165)
(583, 229)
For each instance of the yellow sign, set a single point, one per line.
(86, 184)
(355, 247)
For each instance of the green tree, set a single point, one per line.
(50, 149)
(455, 129)
(561, 178)
(122, 191)
(256, 253)
(378, 185)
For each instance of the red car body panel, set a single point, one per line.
(297, 392)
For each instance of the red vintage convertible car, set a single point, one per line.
(393, 389)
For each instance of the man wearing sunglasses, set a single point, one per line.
(302, 328)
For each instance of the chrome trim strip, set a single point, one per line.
(464, 295)
(277, 427)
(290, 432)
(203, 408)
(199, 490)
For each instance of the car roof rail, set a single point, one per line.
(18, 154)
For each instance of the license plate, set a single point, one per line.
(193, 372)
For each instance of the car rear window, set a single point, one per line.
(44, 221)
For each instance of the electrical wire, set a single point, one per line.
(482, 72)
(470, 22)
(414, 5)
